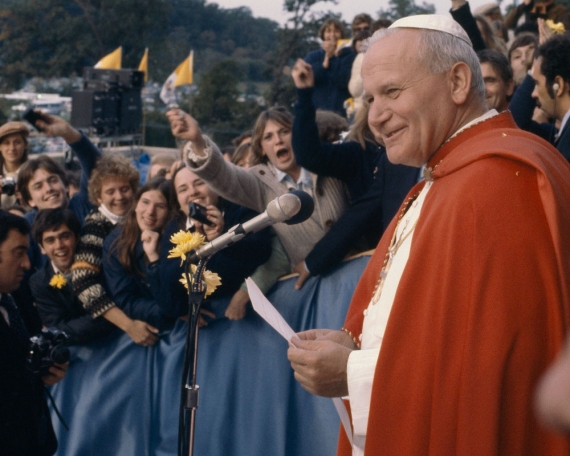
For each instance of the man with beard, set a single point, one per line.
(548, 87)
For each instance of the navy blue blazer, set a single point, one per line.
(137, 296)
(331, 84)
(79, 204)
(60, 308)
(233, 264)
(522, 107)
(377, 187)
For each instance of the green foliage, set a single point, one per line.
(402, 8)
(217, 108)
(294, 41)
(61, 37)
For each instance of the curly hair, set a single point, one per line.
(111, 167)
(555, 53)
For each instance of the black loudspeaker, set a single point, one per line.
(124, 79)
(110, 102)
(90, 108)
(130, 116)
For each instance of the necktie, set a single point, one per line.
(16, 322)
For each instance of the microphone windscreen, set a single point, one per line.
(306, 210)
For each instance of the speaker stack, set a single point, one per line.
(110, 101)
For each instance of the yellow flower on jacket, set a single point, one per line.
(58, 281)
(556, 27)
(185, 242)
(212, 280)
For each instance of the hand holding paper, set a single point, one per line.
(269, 313)
(266, 310)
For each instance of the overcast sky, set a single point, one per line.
(273, 9)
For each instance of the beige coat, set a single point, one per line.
(257, 186)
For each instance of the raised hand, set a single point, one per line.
(302, 74)
(150, 240)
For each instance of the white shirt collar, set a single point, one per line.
(56, 269)
(304, 177)
(563, 123)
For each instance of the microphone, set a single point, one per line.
(291, 208)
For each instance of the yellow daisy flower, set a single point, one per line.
(556, 27)
(185, 242)
(212, 280)
(58, 281)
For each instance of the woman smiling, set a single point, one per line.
(13, 152)
(131, 253)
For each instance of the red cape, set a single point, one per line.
(482, 306)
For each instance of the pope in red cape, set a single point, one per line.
(473, 274)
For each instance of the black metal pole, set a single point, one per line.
(190, 390)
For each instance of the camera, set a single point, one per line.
(199, 213)
(47, 348)
(32, 117)
(8, 185)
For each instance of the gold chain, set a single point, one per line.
(393, 248)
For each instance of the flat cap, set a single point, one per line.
(14, 127)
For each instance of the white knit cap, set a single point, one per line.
(437, 22)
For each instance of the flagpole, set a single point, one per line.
(143, 66)
(144, 126)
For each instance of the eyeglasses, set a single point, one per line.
(361, 28)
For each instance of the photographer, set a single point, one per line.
(25, 424)
(13, 153)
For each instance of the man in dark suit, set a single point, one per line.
(57, 233)
(25, 424)
(549, 85)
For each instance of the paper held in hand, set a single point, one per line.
(270, 314)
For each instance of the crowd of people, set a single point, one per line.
(456, 161)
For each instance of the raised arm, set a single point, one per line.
(86, 153)
(342, 160)
(461, 13)
(204, 158)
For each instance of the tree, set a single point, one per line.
(402, 8)
(293, 41)
(216, 107)
(60, 37)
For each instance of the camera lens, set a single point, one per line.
(8, 187)
(60, 355)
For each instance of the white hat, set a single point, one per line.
(437, 22)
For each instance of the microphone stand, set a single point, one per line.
(189, 389)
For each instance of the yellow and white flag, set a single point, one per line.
(143, 66)
(111, 61)
(184, 74)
